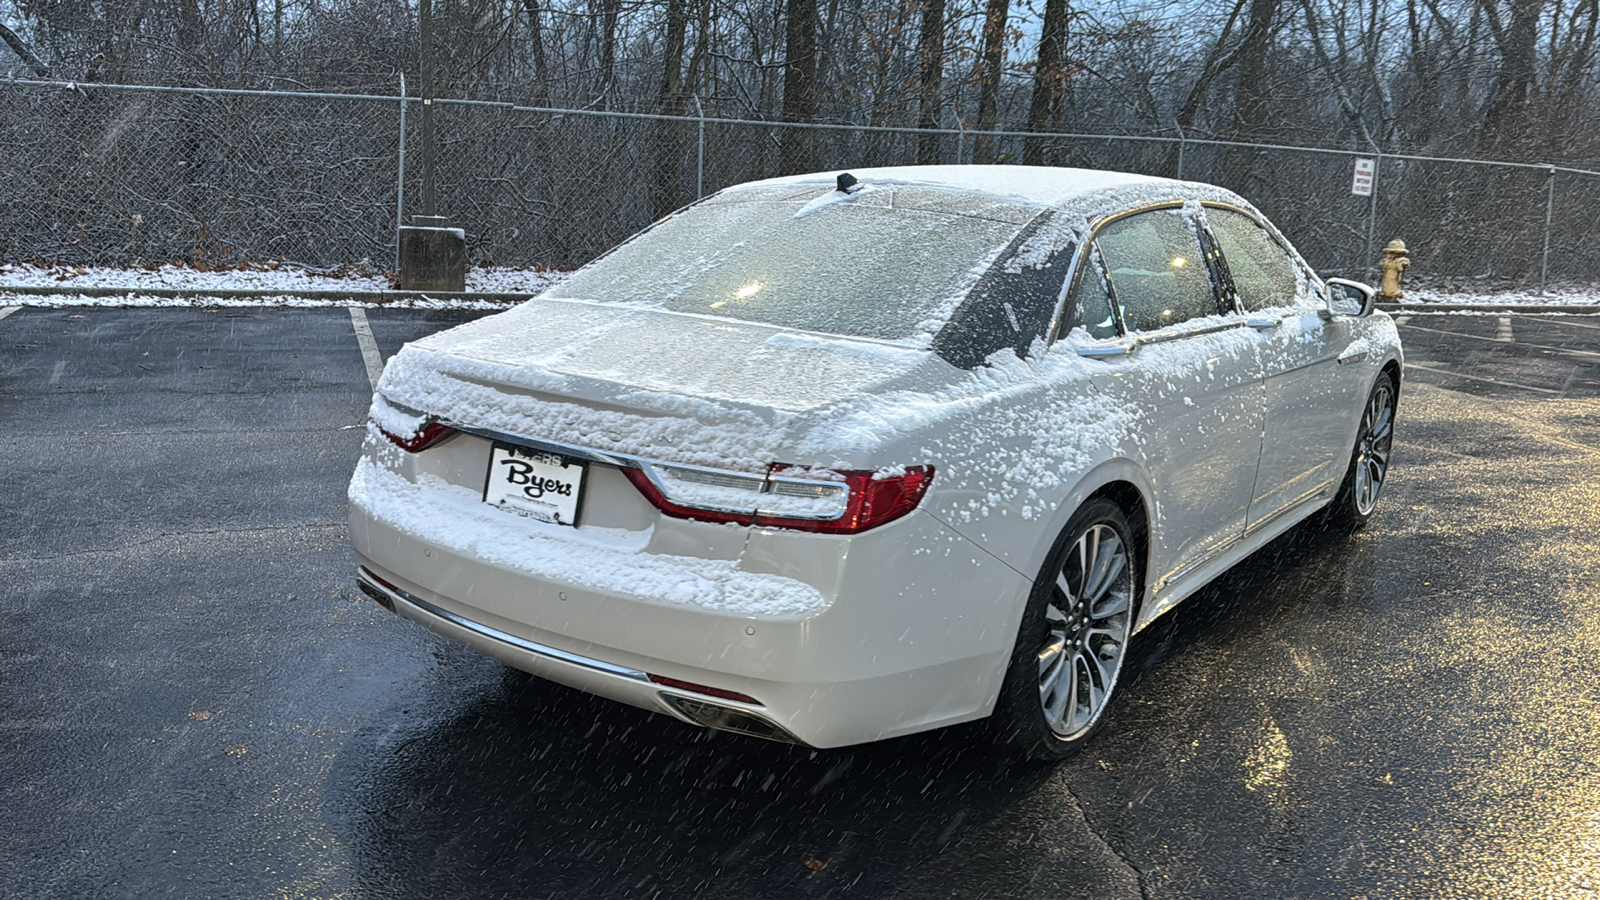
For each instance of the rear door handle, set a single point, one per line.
(1352, 356)
(1263, 323)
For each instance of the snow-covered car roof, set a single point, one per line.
(1090, 192)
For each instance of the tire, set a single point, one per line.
(1073, 638)
(1357, 500)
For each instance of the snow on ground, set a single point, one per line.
(500, 280)
(1575, 295)
(289, 280)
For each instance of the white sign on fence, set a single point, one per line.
(1362, 185)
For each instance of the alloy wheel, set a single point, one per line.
(1088, 620)
(1372, 449)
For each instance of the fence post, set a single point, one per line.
(425, 33)
(1549, 213)
(700, 158)
(961, 139)
(1372, 209)
(1181, 142)
(400, 180)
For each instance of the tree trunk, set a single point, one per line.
(191, 37)
(1568, 78)
(1049, 77)
(1250, 101)
(541, 87)
(609, 11)
(1216, 63)
(702, 49)
(39, 69)
(799, 84)
(667, 195)
(1252, 93)
(930, 83)
(1504, 118)
(990, 59)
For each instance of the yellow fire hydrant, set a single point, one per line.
(1392, 266)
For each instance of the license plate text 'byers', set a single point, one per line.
(544, 486)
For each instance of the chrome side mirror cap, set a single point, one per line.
(1347, 298)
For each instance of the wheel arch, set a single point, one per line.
(1393, 369)
(1122, 482)
(1131, 500)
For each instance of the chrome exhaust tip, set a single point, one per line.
(729, 718)
(376, 593)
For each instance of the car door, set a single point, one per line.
(1307, 433)
(1193, 371)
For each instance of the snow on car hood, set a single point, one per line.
(647, 382)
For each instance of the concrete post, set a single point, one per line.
(433, 257)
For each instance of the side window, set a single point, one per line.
(1157, 270)
(1099, 317)
(1262, 271)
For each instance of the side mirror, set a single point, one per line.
(1348, 298)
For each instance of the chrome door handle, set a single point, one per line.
(1263, 323)
(1355, 357)
(1108, 351)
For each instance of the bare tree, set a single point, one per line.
(536, 51)
(670, 140)
(799, 82)
(991, 57)
(1049, 77)
(1516, 34)
(17, 46)
(930, 78)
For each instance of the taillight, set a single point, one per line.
(672, 491)
(839, 502)
(875, 498)
(420, 440)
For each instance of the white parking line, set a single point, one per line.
(8, 311)
(369, 347)
(1561, 320)
(1479, 337)
(1447, 372)
(1504, 332)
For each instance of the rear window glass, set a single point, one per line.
(886, 262)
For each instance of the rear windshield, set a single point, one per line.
(885, 262)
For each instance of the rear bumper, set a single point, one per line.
(909, 626)
(594, 676)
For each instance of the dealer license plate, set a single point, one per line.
(533, 483)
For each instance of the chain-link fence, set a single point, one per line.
(127, 175)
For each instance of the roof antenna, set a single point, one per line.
(849, 184)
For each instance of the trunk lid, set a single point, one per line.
(657, 384)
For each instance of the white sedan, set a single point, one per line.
(838, 457)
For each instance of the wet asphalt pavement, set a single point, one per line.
(195, 702)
